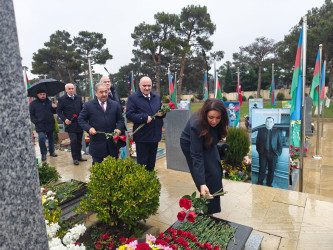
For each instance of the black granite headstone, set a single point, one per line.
(22, 223)
(175, 122)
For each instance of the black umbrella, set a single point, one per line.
(51, 87)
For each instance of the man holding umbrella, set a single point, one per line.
(41, 114)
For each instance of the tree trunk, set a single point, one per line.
(180, 79)
(70, 76)
(259, 82)
(158, 85)
(330, 82)
(58, 71)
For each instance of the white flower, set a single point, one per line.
(74, 234)
(56, 244)
(51, 229)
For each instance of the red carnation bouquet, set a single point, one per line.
(164, 109)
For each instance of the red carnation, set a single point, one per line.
(181, 216)
(174, 247)
(172, 105)
(161, 235)
(184, 243)
(74, 115)
(180, 240)
(207, 246)
(167, 239)
(130, 240)
(123, 137)
(161, 242)
(170, 230)
(77, 243)
(105, 236)
(142, 246)
(115, 138)
(185, 203)
(191, 216)
(216, 247)
(188, 248)
(123, 239)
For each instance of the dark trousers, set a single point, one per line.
(146, 154)
(42, 140)
(267, 160)
(76, 144)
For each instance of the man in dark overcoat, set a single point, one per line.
(269, 147)
(101, 115)
(141, 106)
(41, 114)
(112, 92)
(68, 109)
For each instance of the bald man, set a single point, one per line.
(69, 108)
(141, 106)
(112, 93)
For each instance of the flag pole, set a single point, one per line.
(169, 80)
(303, 111)
(238, 81)
(317, 156)
(273, 83)
(175, 84)
(215, 82)
(322, 116)
(91, 80)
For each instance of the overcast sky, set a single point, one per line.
(238, 22)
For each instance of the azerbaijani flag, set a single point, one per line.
(132, 85)
(173, 91)
(205, 88)
(296, 85)
(239, 91)
(314, 93)
(218, 92)
(322, 93)
(28, 86)
(272, 91)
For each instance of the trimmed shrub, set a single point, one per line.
(239, 146)
(121, 192)
(192, 99)
(280, 96)
(251, 97)
(224, 98)
(243, 98)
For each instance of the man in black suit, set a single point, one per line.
(101, 115)
(69, 108)
(112, 92)
(269, 147)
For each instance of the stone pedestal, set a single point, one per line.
(22, 223)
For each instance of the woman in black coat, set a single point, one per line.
(199, 144)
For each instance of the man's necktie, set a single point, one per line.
(102, 105)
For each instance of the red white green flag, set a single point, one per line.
(314, 93)
(218, 92)
(173, 91)
(28, 86)
(132, 85)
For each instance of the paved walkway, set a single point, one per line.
(286, 219)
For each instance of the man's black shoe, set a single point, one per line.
(54, 154)
(43, 157)
(76, 162)
(82, 159)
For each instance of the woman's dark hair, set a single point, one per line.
(217, 105)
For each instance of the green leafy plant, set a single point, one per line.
(165, 99)
(243, 98)
(239, 144)
(280, 96)
(47, 174)
(121, 192)
(224, 98)
(251, 97)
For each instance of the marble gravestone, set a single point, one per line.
(174, 124)
(308, 116)
(22, 223)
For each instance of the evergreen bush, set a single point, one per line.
(243, 98)
(239, 146)
(280, 96)
(121, 192)
(224, 98)
(47, 174)
(251, 97)
(165, 99)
